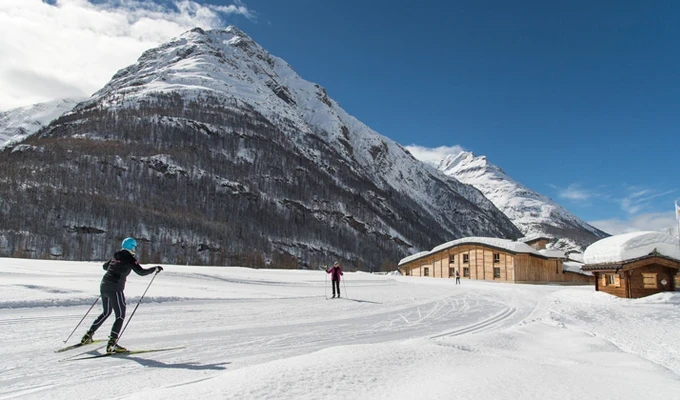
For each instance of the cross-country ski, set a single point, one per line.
(123, 353)
(77, 345)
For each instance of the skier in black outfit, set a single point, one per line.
(335, 272)
(112, 287)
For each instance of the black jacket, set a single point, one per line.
(117, 270)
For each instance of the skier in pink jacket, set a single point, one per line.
(336, 272)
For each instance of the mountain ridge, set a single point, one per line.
(212, 150)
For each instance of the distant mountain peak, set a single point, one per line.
(453, 160)
(19, 123)
(236, 31)
(531, 212)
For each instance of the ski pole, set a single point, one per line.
(133, 311)
(81, 321)
(325, 285)
(344, 285)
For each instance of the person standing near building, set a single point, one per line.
(111, 289)
(336, 272)
(457, 278)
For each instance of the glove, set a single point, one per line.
(159, 268)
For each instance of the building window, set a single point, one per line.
(496, 257)
(649, 281)
(426, 271)
(466, 272)
(452, 271)
(466, 258)
(496, 272)
(452, 259)
(612, 280)
(609, 279)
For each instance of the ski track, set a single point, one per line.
(239, 332)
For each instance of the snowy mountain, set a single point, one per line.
(533, 213)
(19, 123)
(211, 150)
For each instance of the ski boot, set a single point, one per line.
(113, 347)
(87, 338)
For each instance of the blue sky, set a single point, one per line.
(578, 100)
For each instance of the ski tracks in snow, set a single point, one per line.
(479, 326)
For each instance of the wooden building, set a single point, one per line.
(635, 278)
(537, 242)
(492, 259)
(634, 265)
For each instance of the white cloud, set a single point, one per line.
(576, 192)
(432, 155)
(72, 48)
(663, 222)
(639, 199)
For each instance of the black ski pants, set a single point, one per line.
(334, 285)
(111, 301)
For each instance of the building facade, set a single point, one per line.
(492, 259)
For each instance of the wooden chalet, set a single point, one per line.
(634, 265)
(493, 259)
(537, 242)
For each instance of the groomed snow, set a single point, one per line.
(632, 245)
(270, 334)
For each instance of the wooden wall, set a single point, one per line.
(523, 268)
(637, 288)
(417, 268)
(620, 286)
(538, 244)
(480, 263)
(539, 270)
(629, 279)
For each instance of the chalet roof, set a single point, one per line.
(574, 256)
(552, 253)
(630, 246)
(622, 264)
(414, 256)
(533, 238)
(502, 244)
(572, 266)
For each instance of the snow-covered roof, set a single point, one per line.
(413, 257)
(530, 238)
(572, 266)
(552, 253)
(574, 256)
(629, 246)
(505, 244)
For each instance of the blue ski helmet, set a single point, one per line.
(129, 244)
